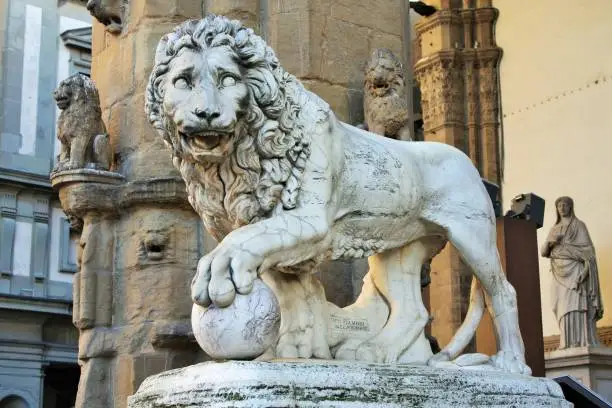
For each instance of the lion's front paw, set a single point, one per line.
(439, 359)
(510, 362)
(221, 273)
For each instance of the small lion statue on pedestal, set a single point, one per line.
(80, 129)
(384, 101)
(284, 185)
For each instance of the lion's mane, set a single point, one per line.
(396, 77)
(271, 148)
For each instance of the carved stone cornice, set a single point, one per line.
(85, 190)
(445, 57)
(486, 15)
(488, 55)
(467, 15)
(441, 18)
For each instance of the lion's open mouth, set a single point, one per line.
(62, 101)
(205, 141)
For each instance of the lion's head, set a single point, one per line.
(383, 73)
(108, 12)
(76, 89)
(230, 114)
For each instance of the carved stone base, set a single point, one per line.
(63, 177)
(319, 383)
(592, 366)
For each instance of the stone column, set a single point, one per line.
(457, 70)
(140, 238)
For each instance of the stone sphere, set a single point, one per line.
(242, 330)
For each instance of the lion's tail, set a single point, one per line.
(466, 332)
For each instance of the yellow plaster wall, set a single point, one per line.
(556, 93)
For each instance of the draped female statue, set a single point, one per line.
(576, 297)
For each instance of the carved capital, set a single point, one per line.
(441, 81)
(486, 15)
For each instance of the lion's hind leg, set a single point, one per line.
(482, 257)
(397, 275)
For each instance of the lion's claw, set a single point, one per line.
(199, 284)
(221, 273)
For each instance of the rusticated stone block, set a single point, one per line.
(91, 394)
(109, 71)
(145, 40)
(288, 6)
(247, 11)
(140, 154)
(303, 55)
(124, 381)
(383, 15)
(345, 43)
(98, 38)
(147, 9)
(335, 95)
(379, 39)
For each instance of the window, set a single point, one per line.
(78, 42)
(67, 249)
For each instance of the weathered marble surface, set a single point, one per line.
(283, 185)
(245, 329)
(315, 383)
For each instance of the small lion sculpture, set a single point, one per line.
(80, 129)
(283, 185)
(384, 104)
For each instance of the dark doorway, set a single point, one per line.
(60, 385)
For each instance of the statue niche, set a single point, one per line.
(80, 129)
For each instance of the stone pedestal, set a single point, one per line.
(592, 366)
(139, 243)
(312, 383)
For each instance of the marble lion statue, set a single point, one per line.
(80, 129)
(282, 184)
(384, 101)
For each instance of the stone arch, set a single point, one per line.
(14, 401)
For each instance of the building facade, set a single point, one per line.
(41, 43)
(555, 89)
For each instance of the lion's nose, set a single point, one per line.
(207, 114)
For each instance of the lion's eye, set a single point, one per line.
(228, 81)
(181, 83)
